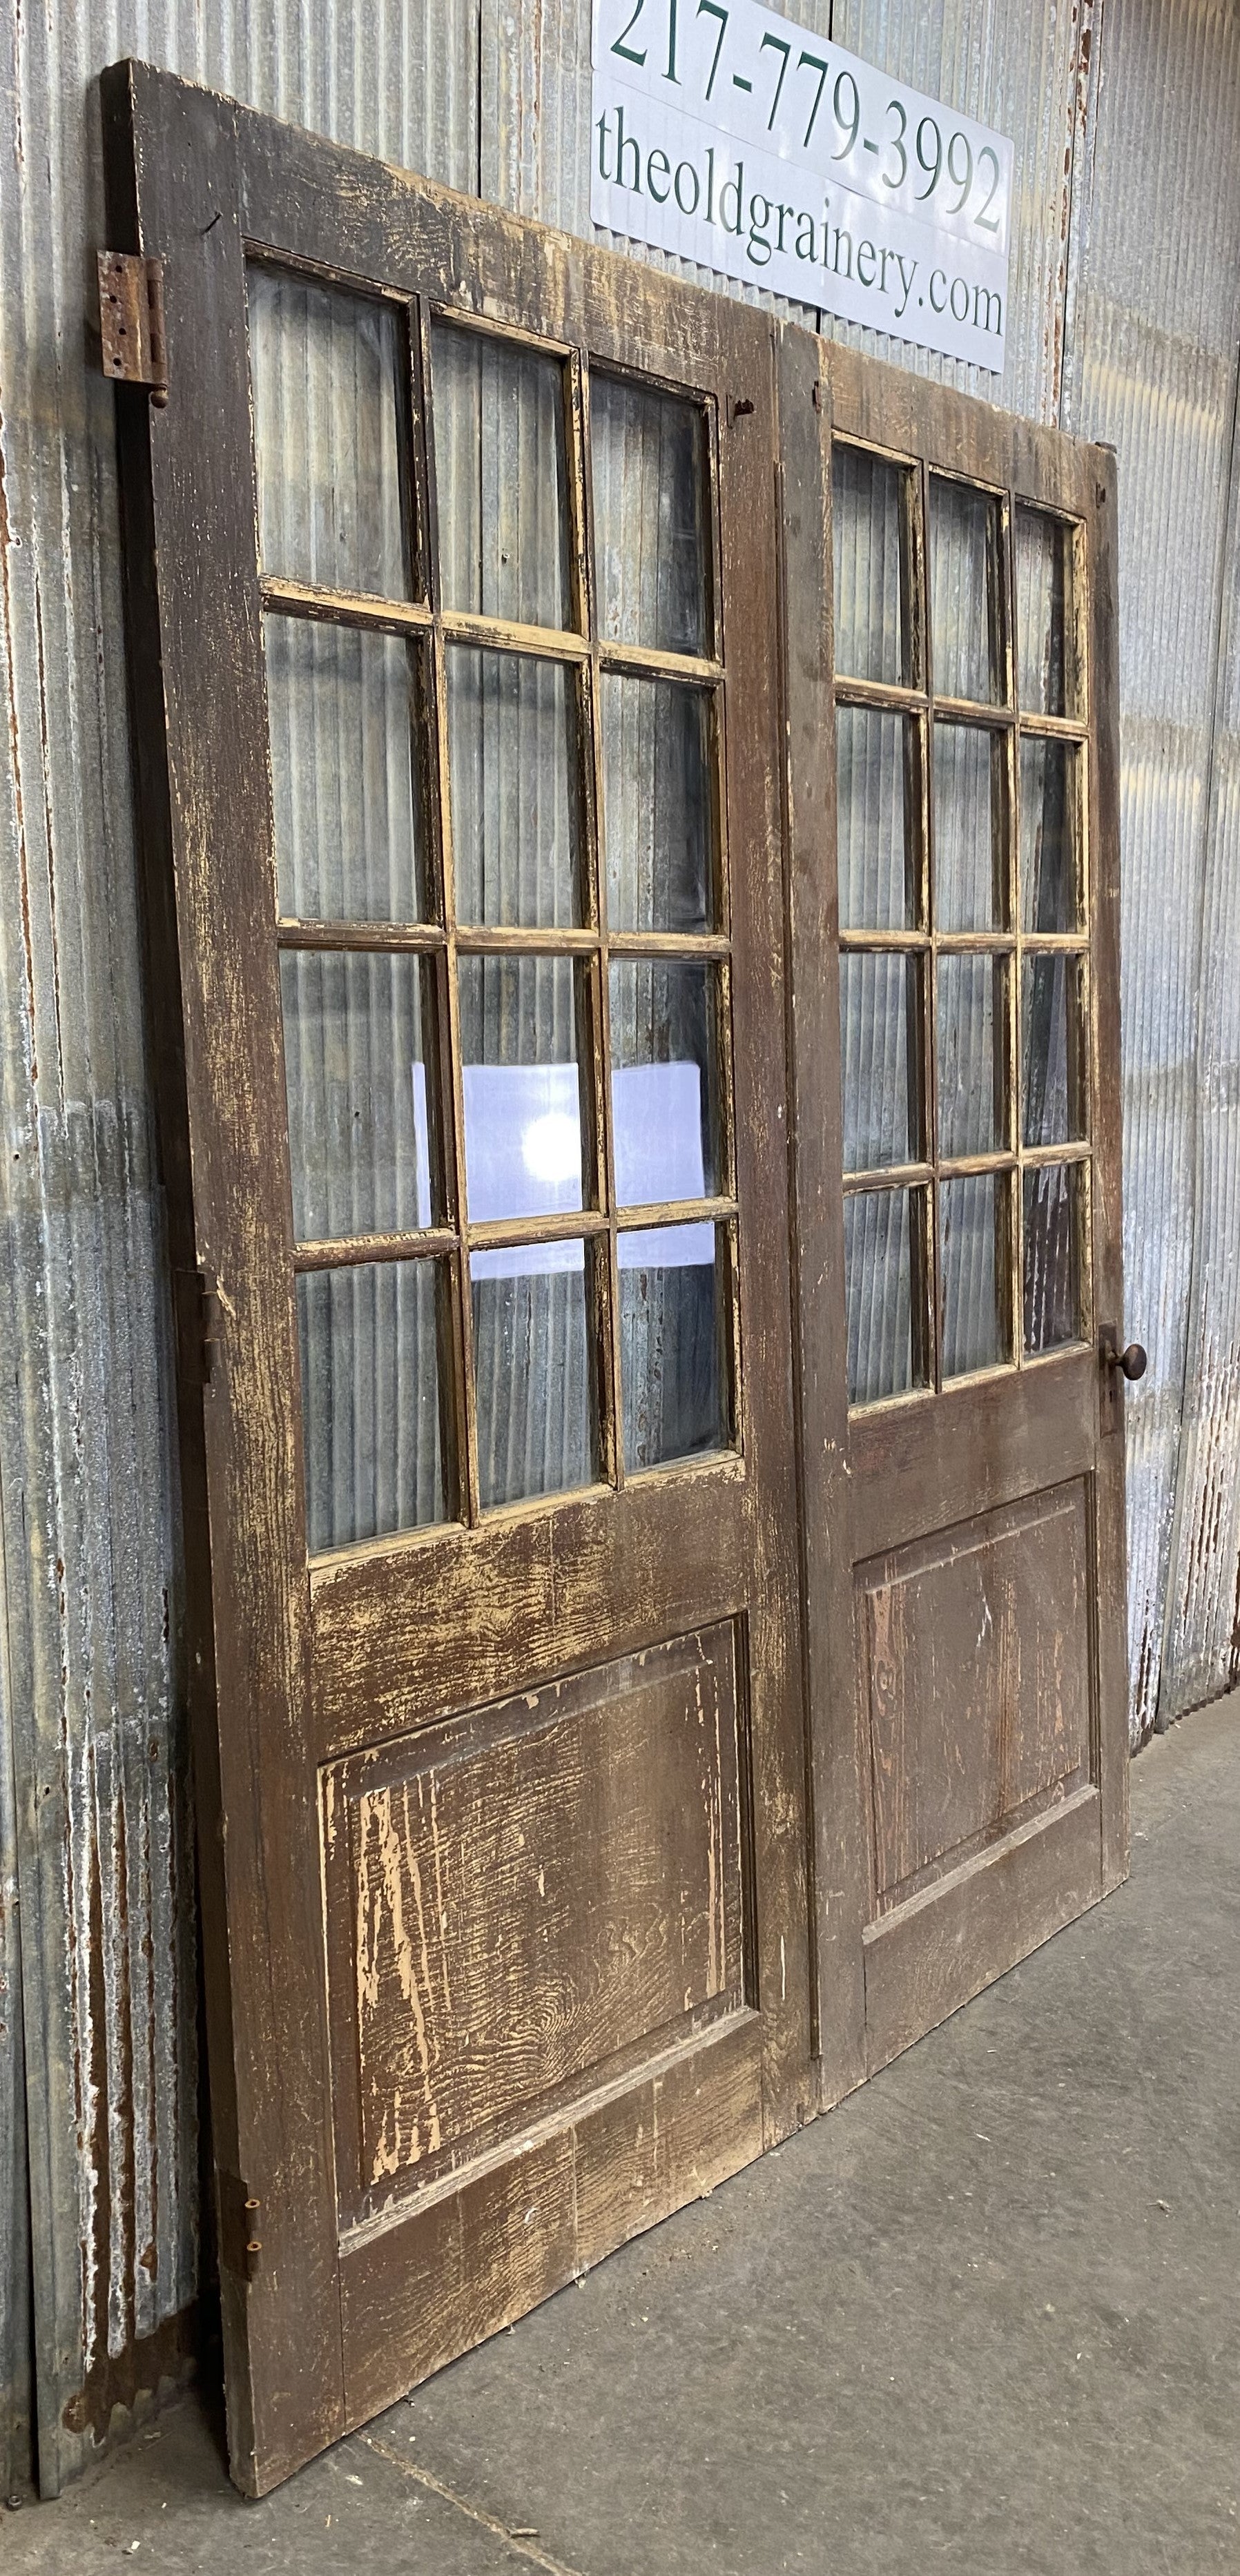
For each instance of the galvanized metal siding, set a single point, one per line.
(1151, 366)
(1024, 71)
(1202, 1651)
(16, 2391)
(91, 1712)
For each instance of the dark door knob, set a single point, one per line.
(1131, 1363)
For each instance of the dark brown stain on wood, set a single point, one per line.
(522, 1896)
(977, 1660)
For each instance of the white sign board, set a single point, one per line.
(740, 140)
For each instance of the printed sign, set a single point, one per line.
(740, 140)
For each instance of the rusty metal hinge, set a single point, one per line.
(199, 1318)
(131, 321)
(239, 2214)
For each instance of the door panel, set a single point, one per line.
(452, 576)
(559, 1879)
(976, 1675)
(967, 1570)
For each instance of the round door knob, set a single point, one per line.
(1132, 1363)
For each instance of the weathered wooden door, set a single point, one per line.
(452, 573)
(958, 1178)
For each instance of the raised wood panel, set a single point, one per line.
(416, 2293)
(976, 1648)
(933, 1954)
(523, 1897)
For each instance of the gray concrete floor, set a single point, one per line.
(984, 2317)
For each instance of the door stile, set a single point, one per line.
(174, 186)
(747, 453)
(839, 1867)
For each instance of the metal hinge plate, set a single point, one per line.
(199, 1321)
(239, 2215)
(131, 321)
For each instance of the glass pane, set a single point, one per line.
(341, 703)
(500, 478)
(648, 452)
(880, 1038)
(965, 556)
(876, 806)
(884, 1285)
(665, 1082)
(514, 754)
(970, 839)
(871, 574)
(658, 809)
(328, 433)
(1050, 897)
(1053, 1208)
(972, 1053)
(673, 1322)
(973, 1220)
(524, 1140)
(355, 1050)
(532, 1372)
(1054, 1060)
(1047, 678)
(370, 1399)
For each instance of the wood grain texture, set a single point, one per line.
(919, 1466)
(404, 1634)
(840, 1879)
(977, 1681)
(417, 2293)
(890, 408)
(523, 1897)
(933, 1954)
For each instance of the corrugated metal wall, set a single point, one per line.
(1123, 324)
(1150, 365)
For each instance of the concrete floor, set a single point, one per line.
(985, 2317)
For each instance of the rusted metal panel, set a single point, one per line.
(1151, 368)
(92, 1731)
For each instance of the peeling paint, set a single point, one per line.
(1124, 326)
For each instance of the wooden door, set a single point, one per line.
(452, 575)
(955, 898)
